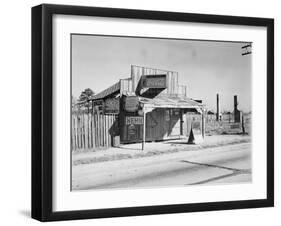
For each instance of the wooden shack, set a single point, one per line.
(154, 98)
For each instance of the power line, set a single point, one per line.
(247, 48)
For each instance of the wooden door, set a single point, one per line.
(175, 122)
(155, 125)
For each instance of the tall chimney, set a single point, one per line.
(218, 107)
(235, 103)
(236, 111)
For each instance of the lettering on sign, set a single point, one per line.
(154, 81)
(131, 104)
(134, 120)
(112, 105)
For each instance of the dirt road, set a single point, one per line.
(226, 164)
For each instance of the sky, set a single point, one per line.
(205, 67)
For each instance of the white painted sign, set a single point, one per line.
(134, 120)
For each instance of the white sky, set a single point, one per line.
(206, 67)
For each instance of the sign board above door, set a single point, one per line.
(154, 81)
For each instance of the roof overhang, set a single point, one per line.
(171, 102)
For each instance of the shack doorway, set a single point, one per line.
(194, 121)
(174, 130)
(163, 124)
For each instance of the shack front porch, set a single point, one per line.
(164, 118)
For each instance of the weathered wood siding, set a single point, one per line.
(126, 87)
(173, 87)
(162, 124)
(91, 131)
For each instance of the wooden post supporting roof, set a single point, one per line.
(203, 123)
(143, 135)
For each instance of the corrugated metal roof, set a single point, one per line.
(112, 89)
(171, 102)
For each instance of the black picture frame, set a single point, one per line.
(42, 111)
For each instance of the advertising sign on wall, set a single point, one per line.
(154, 81)
(134, 120)
(112, 105)
(131, 103)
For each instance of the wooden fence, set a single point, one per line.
(227, 125)
(90, 131)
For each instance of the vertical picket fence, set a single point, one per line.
(91, 131)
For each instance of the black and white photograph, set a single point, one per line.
(149, 112)
(145, 112)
